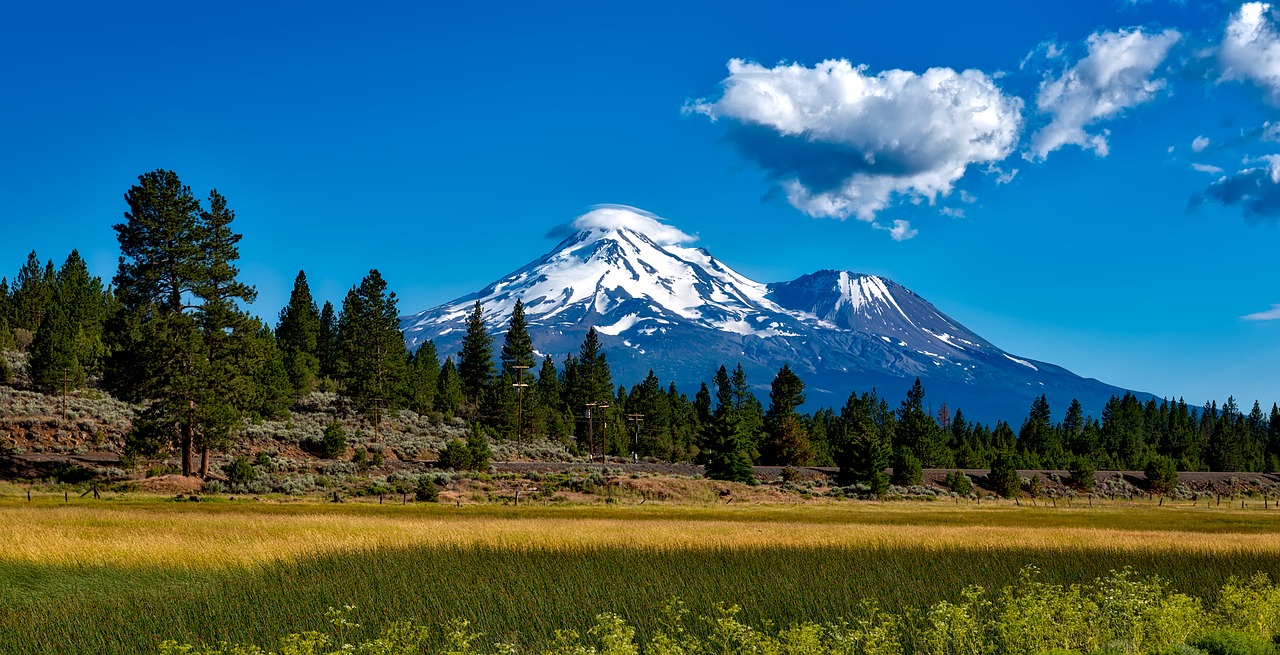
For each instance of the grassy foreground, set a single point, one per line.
(119, 577)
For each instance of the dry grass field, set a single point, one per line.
(120, 576)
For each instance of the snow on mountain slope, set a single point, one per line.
(617, 276)
(661, 304)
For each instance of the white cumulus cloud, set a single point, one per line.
(1250, 50)
(1115, 75)
(842, 142)
(614, 217)
(1272, 314)
(900, 230)
(1199, 143)
(1206, 168)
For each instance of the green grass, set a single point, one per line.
(520, 577)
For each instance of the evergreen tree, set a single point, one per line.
(550, 410)
(788, 440)
(424, 377)
(517, 347)
(594, 379)
(702, 404)
(475, 362)
(372, 349)
(177, 292)
(749, 410)
(32, 294)
(1273, 439)
(6, 302)
(724, 392)
(863, 447)
(54, 361)
(7, 340)
(298, 336)
(917, 431)
(1038, 437)
(1003, 477)
(327, 342)
(723, 449)
(654, 432)
(86, 305)
(907, 470)
(449, 388)
(478, 445)
(271, 393)
(1227, 445)
(1072, 428)
(227, 331)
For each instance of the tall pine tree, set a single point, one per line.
(298, 337)
(372, 348)
(517, 346)
(475, 362)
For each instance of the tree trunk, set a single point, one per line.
(186, 449)
(187, 439)
(204, 461)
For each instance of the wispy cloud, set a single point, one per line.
(1207, 168)
(1115, 75)
(900, 230)
(613, 217)
(1272, 314)
(841, 142)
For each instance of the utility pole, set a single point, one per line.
(519, 385)
(637, 419)
(591, 433)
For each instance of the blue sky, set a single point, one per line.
(440, 144)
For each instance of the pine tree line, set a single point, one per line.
(170, 334)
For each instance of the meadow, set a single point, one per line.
(120, 576)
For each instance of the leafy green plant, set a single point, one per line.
(1228, 642)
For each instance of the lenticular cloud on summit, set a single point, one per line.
(841, 142)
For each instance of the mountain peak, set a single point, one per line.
(659, 303)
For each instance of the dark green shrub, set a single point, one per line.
(262, 459)
(361, 459)
(426, 491)
(456, 455)
(334, 443)
(1162, 475)
(1003, 477)
(478, 444)
(1228, 642)
(1083, 474)
(240, 471)
(958, 483)
(1035, 488)
(906, 468)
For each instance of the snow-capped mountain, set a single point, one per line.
(659, 304)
